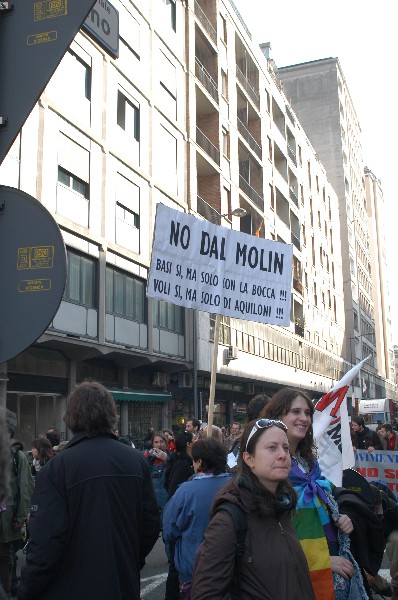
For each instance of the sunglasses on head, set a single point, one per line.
(264, 424)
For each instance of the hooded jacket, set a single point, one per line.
(94, 519)
(273, 564)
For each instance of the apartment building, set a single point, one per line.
(188, 113)
(320, 96)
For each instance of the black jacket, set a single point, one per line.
(94, 518)
(367, 539)
(179, 470)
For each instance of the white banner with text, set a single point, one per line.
(199, 265)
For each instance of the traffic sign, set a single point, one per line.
(32, 268)
(34, 36)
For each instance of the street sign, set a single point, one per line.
(34, 36)
(102, 24)
(32, 268)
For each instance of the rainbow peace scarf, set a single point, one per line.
(313, 526)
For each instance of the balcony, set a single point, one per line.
(245, 133)
(296, 241)
(207, 211)
(249, 191)
(206, 80)
(299, 326)
(291, 152)
(207, 146)
(248, 87)
(298, 286)
(205, 22)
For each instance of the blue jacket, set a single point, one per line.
(187, 515)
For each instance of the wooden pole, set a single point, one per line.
(213, 377)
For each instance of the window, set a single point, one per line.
(124, 295)
(223, 29)
(128, 116)
(224, 84)
(80, 280)
(168, 83)
(168, 316)
(73, 182)
(127, 214)
(225, 142)
(268, 101)
(170, 10)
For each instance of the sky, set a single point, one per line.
(361, 34)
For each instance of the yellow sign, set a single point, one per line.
(34, 285)
(41, 38)
(49, 9)
(36, 257)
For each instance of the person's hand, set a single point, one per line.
(370, 449)
(354, 449)
(341, 565)
(345, 524)
(370, 578)
(158, 453)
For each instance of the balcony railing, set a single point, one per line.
(249, 191)
(207, 211)
(248, 86)
(207, 146)
(245, 133)
(205, 22)
(206, 80)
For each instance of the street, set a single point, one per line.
(154, 574)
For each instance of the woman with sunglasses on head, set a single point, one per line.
(272, 565)
(322, 531)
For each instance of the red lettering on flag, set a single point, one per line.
(330, 397)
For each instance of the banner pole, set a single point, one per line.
(213, 377)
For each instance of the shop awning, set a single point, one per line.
(140, 396)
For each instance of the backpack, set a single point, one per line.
(240, 524)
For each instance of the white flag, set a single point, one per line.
(332, 429)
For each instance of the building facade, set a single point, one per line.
(190, 114)
(320, 96)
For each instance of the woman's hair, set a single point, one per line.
(159, 434)
(44, 448)
(182, 440)
(263, 497)
(279, 406)
(90, 409)
(212, 454)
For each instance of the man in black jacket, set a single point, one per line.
(362, 437)
(94, 515)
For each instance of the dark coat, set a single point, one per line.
(179, 469)
(273, 564)
(367, 539)
(361, 440)
(94, 519)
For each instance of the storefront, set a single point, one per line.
(141, 410)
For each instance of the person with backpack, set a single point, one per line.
(269, 563)
(186, 515)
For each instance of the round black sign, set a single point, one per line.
(32, 269)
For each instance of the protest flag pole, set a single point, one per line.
(213, 376)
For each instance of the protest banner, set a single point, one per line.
(203, 266)
(379, 465)
(332, 429)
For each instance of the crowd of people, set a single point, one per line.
(244, 511)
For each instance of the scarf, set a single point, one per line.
(313, 520)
